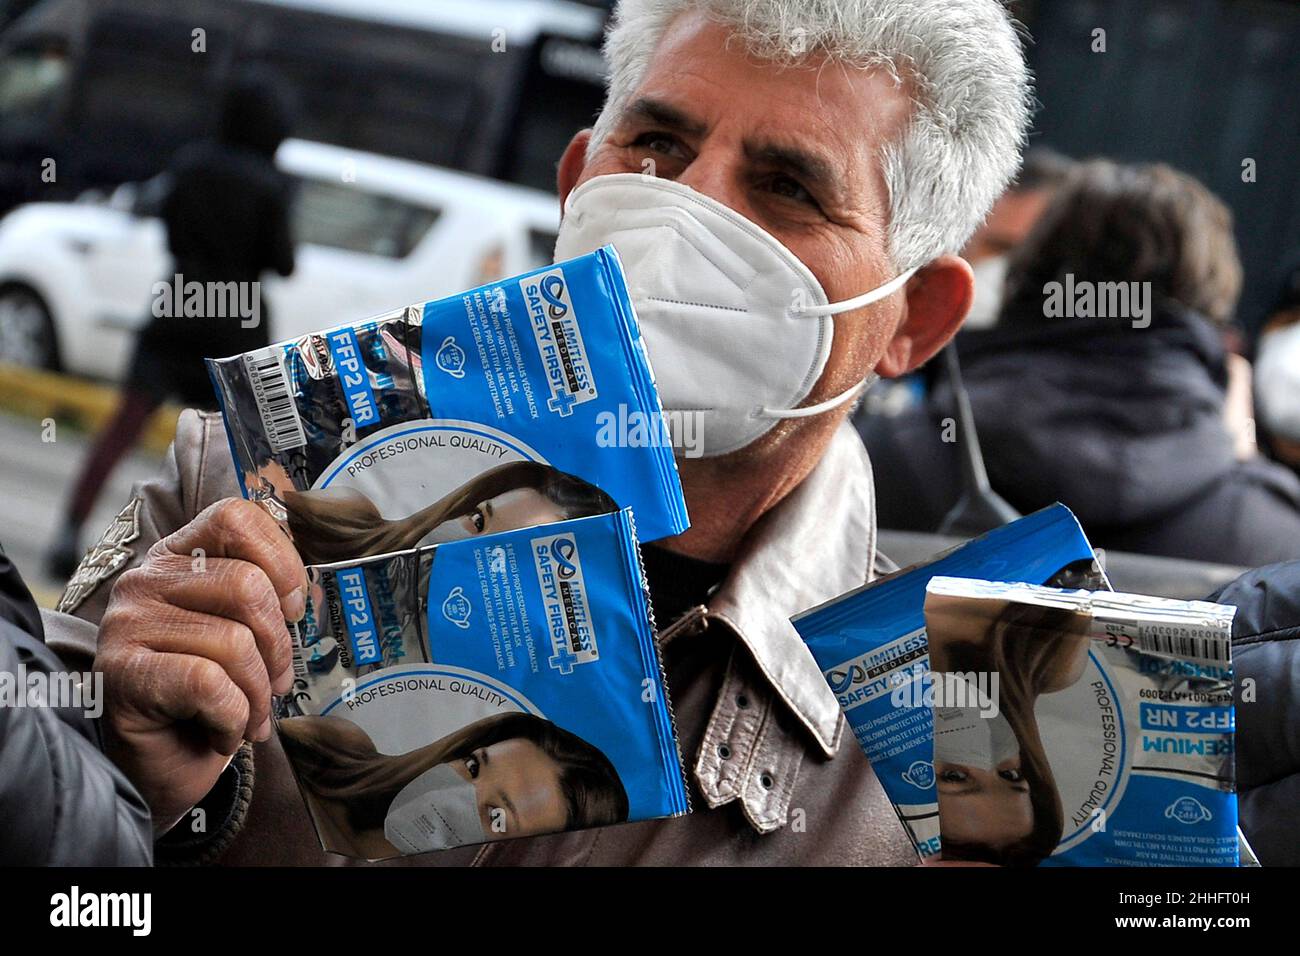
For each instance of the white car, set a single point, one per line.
(371, 233)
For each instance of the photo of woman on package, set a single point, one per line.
(341, 524)
(998, 799)
(504, 776)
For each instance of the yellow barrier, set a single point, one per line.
(84, 404)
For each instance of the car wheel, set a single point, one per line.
(26, 329)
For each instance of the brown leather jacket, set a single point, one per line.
(774, 779)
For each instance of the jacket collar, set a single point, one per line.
(819, 542)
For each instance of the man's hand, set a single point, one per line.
(193, 648)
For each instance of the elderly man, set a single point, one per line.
(805, 158)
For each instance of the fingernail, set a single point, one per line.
(284, 683)
(263, 732)
(295, 605)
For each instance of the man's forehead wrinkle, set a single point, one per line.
(827, 62)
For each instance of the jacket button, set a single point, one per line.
(742, 701)
(766, 780)
(724, 751)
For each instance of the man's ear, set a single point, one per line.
(938, 298)
(572, 164)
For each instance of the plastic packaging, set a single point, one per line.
(480, 690)
(523, 401)
(1080, 727)
(870, 639)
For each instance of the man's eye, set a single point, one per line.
(471, 764)
(478, 519)
(953, 776)
(1013, 775)
(788, 188)
(657, 143)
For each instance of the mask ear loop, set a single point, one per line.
(834, 308)
(857, 302)
(807, 411)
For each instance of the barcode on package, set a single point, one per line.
(275, 401)
(1196, 643)
(299, 663)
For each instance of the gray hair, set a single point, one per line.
(961, 59)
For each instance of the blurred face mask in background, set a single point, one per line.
(737, 328)
(435, 811)
(1277, 381)
(990, 277)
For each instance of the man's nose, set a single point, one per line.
(716, 174)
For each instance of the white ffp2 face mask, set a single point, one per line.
(963, 736)
(435, 811)
(1277, 381)
(738, 330)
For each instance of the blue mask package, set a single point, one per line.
(1080, 728)
(480, 690)
(871, 642)
(517, 403)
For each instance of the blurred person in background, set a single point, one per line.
(1124, 418)
(1266, 660)
(1277, 372)
(1009, 222)
(226, 211)
(62, 802)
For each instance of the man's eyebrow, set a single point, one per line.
(666, 115)
(814, 170)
